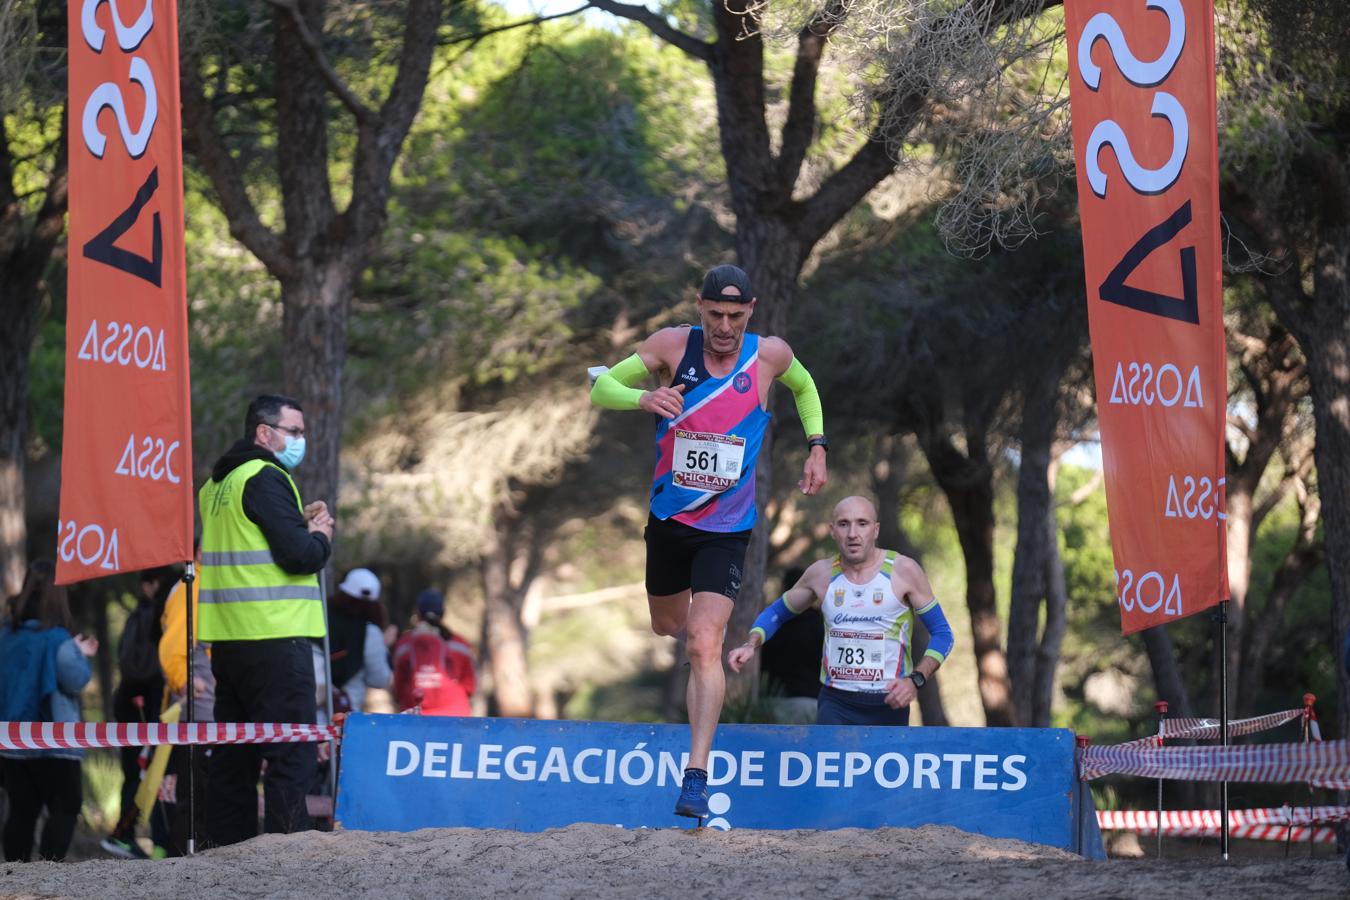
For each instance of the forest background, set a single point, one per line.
(425, 219)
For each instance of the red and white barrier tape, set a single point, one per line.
(1270, 763)
(1297, 824)
(70, 735)
(1208, 729)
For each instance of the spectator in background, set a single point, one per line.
(42, 670)
(359, 637)
(791, 663)
(262, 551)
(137, 699)
(433, 666)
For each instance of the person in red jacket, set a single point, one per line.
(433, 666)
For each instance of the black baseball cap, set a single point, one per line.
(719, 278)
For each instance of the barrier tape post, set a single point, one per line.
(1161, 708)
(1081, 743)
(328, 683)
(1223, 719)
(1309, 721)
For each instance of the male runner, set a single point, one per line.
(869, 597)
(712, 409)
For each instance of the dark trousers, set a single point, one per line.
(31, 785)
(261, 681)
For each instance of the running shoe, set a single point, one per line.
(127, 849)
(693, 801)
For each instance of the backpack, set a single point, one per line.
(138, 650)
(423, 676)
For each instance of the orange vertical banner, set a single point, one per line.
(126, 463)
(1142, 93)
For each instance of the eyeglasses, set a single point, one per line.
(287, 429)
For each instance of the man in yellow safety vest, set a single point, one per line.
(259, 603)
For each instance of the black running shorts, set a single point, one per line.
(836, 707)
(681, 557)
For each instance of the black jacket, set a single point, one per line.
(269, 503)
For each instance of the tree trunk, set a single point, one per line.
(888, 477)
(1035, 533)
(314, 351)
(770, 257)
(969, 487)
(1328, 352)
(1056, 622)
(1167, 680)
(504, 635)
(1300, 562)
(16, 340)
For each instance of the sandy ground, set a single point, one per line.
(595, 861)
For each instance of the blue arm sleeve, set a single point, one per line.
(941, 639)
(769, 621)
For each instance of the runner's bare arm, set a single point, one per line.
(911, 585)
(615, 389)
(777, 355)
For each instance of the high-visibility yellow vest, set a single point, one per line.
(244, 595)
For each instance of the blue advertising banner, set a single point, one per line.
(401, 773)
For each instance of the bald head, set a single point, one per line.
(855, 506)
(854, 527)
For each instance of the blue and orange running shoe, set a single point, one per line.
(693, 801)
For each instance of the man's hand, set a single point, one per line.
(320, 521)
(900, 693)
(313, 509)
(664, 401)
(87, 645)
(738, 657)
(814, 475)
(199, 687)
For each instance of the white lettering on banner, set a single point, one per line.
(1164, 385)
(1149, 591)
(1139, 74)
(124, 344)
(89, 544)
(639, 767)
(1108, 132)
(128, 39)
(488, 761)
(109, 96)
(1190, 505)
(154, 461)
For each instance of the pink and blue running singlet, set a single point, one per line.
(705, 458)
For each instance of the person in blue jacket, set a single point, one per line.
(42, 670)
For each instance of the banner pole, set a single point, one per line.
(328, 683)
(189, 689)
(1161, 708)
(1223, 721)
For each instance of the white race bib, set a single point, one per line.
(706, 461)
(855, 655)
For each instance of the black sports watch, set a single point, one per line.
(819, 442)
(918, 678)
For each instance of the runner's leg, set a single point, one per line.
(708, 617)
(669, 612)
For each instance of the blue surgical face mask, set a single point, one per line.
(294, 454)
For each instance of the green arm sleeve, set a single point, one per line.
(798, 380)
(614, 390)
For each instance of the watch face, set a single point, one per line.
(918, 679)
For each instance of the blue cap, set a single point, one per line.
(431, 602)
